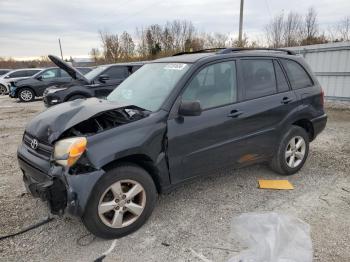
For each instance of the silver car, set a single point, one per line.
(14, 76)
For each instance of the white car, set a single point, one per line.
(15, 75)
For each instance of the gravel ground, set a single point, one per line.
(195, 218)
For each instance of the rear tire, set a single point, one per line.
(292, 152)
(26, 95)
(112, 211)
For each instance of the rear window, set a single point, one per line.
(297, 75)
(259, 78)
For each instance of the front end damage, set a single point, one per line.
(67, 189)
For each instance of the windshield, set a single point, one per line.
(149, 86)
(93, 73)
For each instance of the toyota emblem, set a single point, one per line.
(34, 144)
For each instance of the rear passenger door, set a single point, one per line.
(307, 91)
(116, 75)
(267, 101)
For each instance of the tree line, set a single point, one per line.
(155, 40)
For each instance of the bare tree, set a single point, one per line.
(274, 31)
(343, 29)
(215, 40)
(111, 47)
(95, 54)
(292, 29)
(310, 27)
(127, 46)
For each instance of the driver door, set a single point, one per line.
(198, 144)
(47, 78)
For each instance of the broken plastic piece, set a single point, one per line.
(272, 237)
(275, 184)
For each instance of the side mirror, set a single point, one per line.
(7, 77)
(40, 78)
(190, 108)
(103, 78)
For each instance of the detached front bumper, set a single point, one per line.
(62, 191)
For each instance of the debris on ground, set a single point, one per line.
(272, 237)
(275, 184)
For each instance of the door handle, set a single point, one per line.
(286, 100)
(235, 113)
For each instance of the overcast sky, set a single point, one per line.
(30, 28)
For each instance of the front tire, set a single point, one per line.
(121, 202)
(3, 90)
(26, 95)
(292, 152)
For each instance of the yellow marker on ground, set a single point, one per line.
(275, 184)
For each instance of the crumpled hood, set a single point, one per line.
(50, 124)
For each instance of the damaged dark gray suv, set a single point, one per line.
(174, 119)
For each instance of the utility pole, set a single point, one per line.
(59, 42)
(240, 24)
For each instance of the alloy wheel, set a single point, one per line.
(26, 95)
(122, 203)
(295, 151)
(3, 90)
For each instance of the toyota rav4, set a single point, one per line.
(174, 119)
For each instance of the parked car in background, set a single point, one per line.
(4, 71)
(175, 119)
(97, 83)
(26, 90)
(15, 75)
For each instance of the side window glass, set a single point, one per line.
(259, 78)
(64, 73)
(18, 74)
(31, 72)
(135, 68)
(116, 72)
(213, 86)
(48, 74)
(282, 84)
(296, 74)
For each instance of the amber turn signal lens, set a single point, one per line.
(68, 151)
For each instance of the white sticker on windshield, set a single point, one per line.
(175, 66)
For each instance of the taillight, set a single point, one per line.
(322, 97)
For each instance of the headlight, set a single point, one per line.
(68, 151)
(54, 90)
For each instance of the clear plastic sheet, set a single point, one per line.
(272, 237)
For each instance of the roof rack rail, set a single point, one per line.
(229, 50)
(208, 50)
